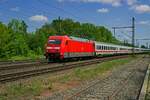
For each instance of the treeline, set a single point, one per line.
(16, 41)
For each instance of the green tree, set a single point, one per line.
(19, 37)
(18, 26)
(6, 42)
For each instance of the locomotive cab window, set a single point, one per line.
(54, 41)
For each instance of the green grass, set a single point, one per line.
(84, 74)
(17, 58)
(26, 57)
(94, 70)
(16, 91)
(65, 78)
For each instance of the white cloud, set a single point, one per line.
(38, 18)
(115, 3)
(103, 10)
(144, 22)
(131, 2)
(112, 2)
(141, 8)
(16, 9)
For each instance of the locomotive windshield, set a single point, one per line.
(54, 41)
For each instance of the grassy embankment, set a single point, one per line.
(36, 86)
(17, 58)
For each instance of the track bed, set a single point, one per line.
(124, 83)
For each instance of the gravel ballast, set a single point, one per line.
(123, 83)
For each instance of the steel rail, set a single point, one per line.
(25, 74)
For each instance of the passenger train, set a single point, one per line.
(63, 47)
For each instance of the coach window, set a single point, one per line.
(97, 47)
(100, 47)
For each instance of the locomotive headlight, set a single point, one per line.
(57, 48)
(48, 47)
(53, 48)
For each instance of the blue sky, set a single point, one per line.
(107, 13)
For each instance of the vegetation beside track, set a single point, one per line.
(20, 58)
(36, 87)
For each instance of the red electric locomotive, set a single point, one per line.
(62, 47)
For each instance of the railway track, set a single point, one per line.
(8, 77)
(7, 65)
(20, 61)
(113, 94)
(117, 86)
